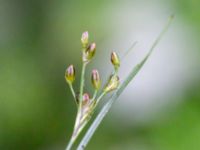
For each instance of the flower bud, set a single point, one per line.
(88, 54)
(112, 84)
(70, 74)
(86, 99)
(96, 81)
(115, 60)
(84, 39)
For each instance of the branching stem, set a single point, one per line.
(77, 129)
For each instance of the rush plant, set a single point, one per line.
(86, 105)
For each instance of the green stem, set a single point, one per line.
(100, 97)
(82, 85)
(71, 142)
(80, 125)
(76, 132)
(94, 95)
(79, 113)
(73, 93)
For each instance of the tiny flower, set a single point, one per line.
(95, 78)
(86, 99)
(88, 54)
(112, 84)
(115, 60)
(84, 39)
(70, 74)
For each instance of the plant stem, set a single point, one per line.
(80, 125)
(71, 142)
(79, 112)
(82, 85)
(100, 97)
(73, 93)
(94, 95)
(76, 132)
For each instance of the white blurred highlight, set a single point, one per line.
(169, 70)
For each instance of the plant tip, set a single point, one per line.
(84, 39)
(70, 74)
(95, 78)
(89, 53)
(115, 60)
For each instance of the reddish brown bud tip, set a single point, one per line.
(95, 78)
(84, 39)
(89, 53)
(115, 60)
(92, 47)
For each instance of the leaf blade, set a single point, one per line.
(114, 97)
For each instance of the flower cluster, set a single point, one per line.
(85, 103)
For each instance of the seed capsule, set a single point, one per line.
(115, 60)
(89, 53)
(84, 39)
(113, 83)
(95, 78)
(70, 74)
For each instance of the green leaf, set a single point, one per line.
(121, 88)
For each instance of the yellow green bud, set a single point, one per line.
(112, 84)
(95, 78)
(89, 53)
(84, 39)
(70, 74)
(115, 60)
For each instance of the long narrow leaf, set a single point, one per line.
(127, 80)
(128, 51)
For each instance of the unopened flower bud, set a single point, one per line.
(86, 99)
(113, 83)
(96, 81)
(84, 39)
(70, 74)
(115, 60)
(88, 54)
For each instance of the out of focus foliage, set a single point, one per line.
(38, 39)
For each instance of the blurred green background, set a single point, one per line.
(40, 38)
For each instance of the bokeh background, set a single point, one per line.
(160, 109)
